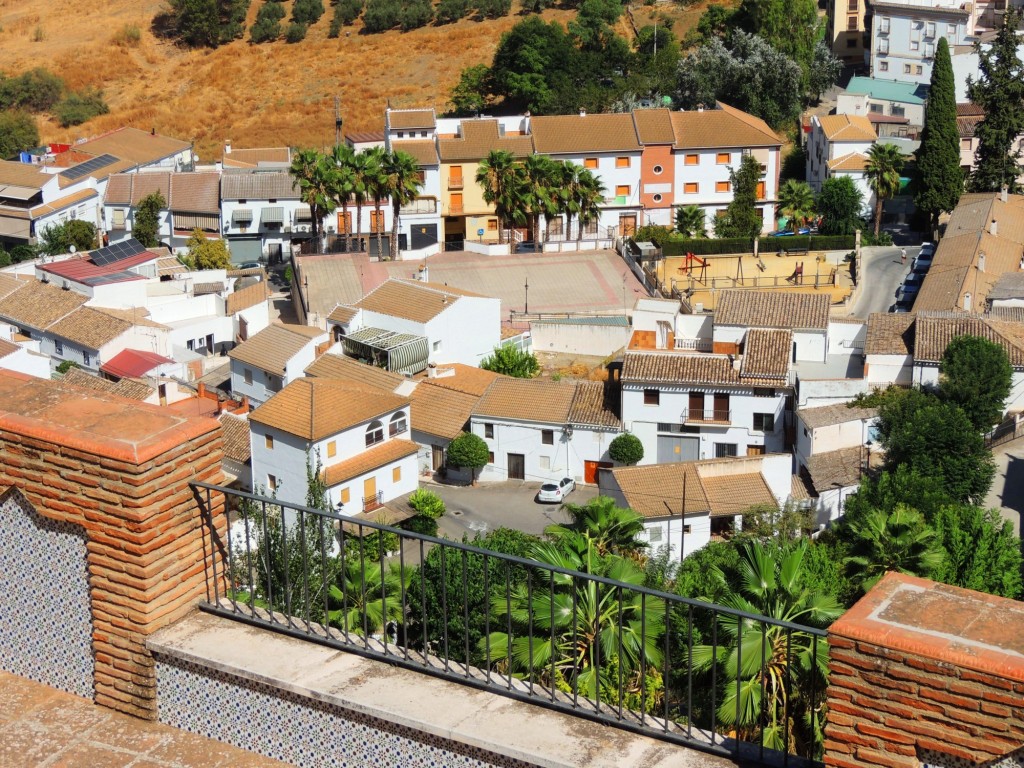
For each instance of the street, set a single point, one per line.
(881, 273)
(1007, 493)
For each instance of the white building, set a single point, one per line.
(273, 358)
(686, 506)
(894, 108)
(404, 325)
(838, 145)
(192, 201)
(263, 216)
(357, 434)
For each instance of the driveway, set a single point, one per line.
(881, 274)
(495, 505)
(1007, 493)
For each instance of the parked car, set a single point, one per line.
(923, 263)
(927, 249)
(906, 293)
(250, 265)
(554, 493)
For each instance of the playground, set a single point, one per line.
(700, 278)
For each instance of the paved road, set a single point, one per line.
(1007, 494)
(882, 274)
(494, 505)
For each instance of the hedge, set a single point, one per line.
(723, 245)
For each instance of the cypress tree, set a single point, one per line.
(940, 179)
(1000, 92)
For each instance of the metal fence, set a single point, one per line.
(690, 672)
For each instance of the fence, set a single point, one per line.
(733, 245)
(682, 670)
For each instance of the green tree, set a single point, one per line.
(940, 182)
(367, 595)
(982, 551)
(77, 108)
(882, 541)
(691, 221)
(295, 33)
(472, 94)
(1000, 93)
(35, 90)
(540, 192)
(626, 449)
(976, 375)
(381, 15)
(612, 530)
(742, 217)
(509, 360)
(415, 14)
(312, 173)
(307, 11)
(267, 26)
(207, 253)
(839, 204)
(450, 11)
(468, 451)
(937, 439)
(824, 72)
(589, 199)
(345, 13)
(772, 677)
(197, 22)
(378, 189)
(428, 503)
(146, 225)
(882, 170)
(343, 183)
(792, 27)
(532, 67)
(498, 176)
(366, 176)
(18, 132)
(796, 203)
(902, 485)
(58, 238)
(403, 178)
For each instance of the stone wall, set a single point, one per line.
(119, 470)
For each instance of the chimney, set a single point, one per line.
(981, 261)
(993, 228)
(227, 146)
(583, 113)
(1002, 193)
(700, 107)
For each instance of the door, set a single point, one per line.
(344, 222)
(455, 177)
(455, 205)
(245, 249)
(627, 225)
(370, 493)
(377, 220)
(516, 466)
(696, 409)
(424, 235)
(590, 471)
(673, 448)
(721, 407)
(437, 457)
(209, 344)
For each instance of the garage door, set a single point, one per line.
(245, 249)
(672, 448)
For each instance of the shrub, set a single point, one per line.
(36, 90)
(18, 132)
(468, 451)
(345, 13)
(374, 543)
(626, 449)
(128, 36)
(493, 9)
(421, 524)
(652, 233)
(449, 11)
(267, 26)
(5, 258)
(307, 11)
(512, 361)
(427, 503)
(296, 32)
(381, 15)
(79, 107)
(66, 366)
(416, 14)
(21, 253)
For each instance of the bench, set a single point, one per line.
(794, 251)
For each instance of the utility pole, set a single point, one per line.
(526, 304)
(337, 121)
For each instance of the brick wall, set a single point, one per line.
(121, 471)
(924, 671)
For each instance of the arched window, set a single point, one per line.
(398, 424)
(374, 433)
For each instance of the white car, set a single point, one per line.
(553, 493)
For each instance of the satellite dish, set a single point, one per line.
(72, 249)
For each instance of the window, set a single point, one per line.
(374, 433)
(915, 45)
(722, 186)
(247, 375)
(269, 441)
(764, 422)
(377, 221)
(951, 32)
(658, 170)
(547, 437)
(852, 6)
(332, 449)
(190, 345)
(929, 30)
(876, 108)
(271, 483)
(691, 188)
(919, 69)
(622, 190)
(760, 190)
(883, 25)
(657, 198)
(544, 462)
(398, 424)
(437, 345)
(488, 430)
(965, 144)
(492, 225)
(851, 24)
(883, 46)
(58, 347)
(118, 220)
(906, 69)
(725, 450)
(86, 358)
(723, 158)
(590, 162)
(345, 495)
(490, 457)
(851, 42)
(622, 162)
(652, 397)
(883, 66)
(898, 111)
(654, 535)
(692, 160)
(396, 475)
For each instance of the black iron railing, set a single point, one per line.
(682, 670)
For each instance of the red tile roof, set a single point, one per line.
(133, 363)
(81, 269)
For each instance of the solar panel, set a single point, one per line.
(84, 169)
(116, 252)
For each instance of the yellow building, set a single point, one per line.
(846, 30)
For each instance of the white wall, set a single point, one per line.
(578, 339)
(28, 362)
(882, 370)
(468, 331)
(708, 172)
(844, 338)
(811, 393)
(667, 532)
(811, 346)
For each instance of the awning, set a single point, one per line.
(14, 192)
(16, 228)
(209, 222)
(272, 216)
(397, 352)
(302, 213)
(241, 214)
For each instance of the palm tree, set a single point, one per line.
(366, 597)
(576, 633)
(496, 175)
(589, 196)
(883, 541)
(312, 173)
(569, 192)
(343, 183)
(613, 530)
(539, 174)
(363, 170)
(796, 202)
(769, 670)
(377, 189)
(691, 221)
(885, 163)
(403, 178)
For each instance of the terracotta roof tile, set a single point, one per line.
(830, 415)
(89, 328)
(195, 192)
(854, 161)
(18, 174)
(425, 152)
(480, 137)
(773, 309)
(593, 405)
(766, 354)
(654, 126)
(252, 158)
(575, 134)
(314, 408)
(236, 438)
(968, 109)
(272, 348)
(63, 202)
(934, 334)
(890, 334)
(7, 348)
(342, 314)
(723, 127)
(131, 188)
(38, 305)
(847, 128)
(464, 378)
(250, 296)
(137, 316)
(134, 145)
(332, 366)
(836, 469)
(372, 458)
(404, 119)
(130, 389)
(733, 494)
(671, 367)
(440, 411)
(411, 300)
(527, 400)
(276, 185)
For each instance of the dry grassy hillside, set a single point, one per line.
(255, 95)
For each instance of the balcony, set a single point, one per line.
(422, 205)
(694, 345)
(456, 210)
(706, 416)
(371, 503)
(455, 184)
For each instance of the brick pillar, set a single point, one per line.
(925, 672)
(120, 469)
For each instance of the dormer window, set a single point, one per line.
(398, 424)
(374, 433)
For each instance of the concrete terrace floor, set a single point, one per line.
(41, 727)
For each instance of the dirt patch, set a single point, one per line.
(558, 365)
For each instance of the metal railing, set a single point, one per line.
(621, 654)
(707, 415)
(455, 183)
(376, 501)
(694, 345)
